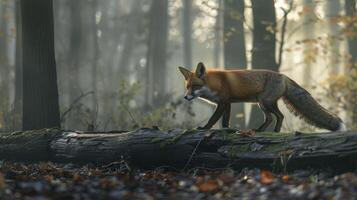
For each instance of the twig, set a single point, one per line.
(75, 101)
(283, 30)
(131, 116)
(193, 153)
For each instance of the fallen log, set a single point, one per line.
(182, 149)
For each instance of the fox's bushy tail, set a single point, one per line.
(301, 103)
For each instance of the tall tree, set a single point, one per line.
(234, 48)
(156, 54)
(332, 10)
(129, 42)
(40, 93)
(263, 52)
(187, 32)
(18, 69)
(218, 32)
(350, 9)
(74, 54)
(94, 70)
(309, 19)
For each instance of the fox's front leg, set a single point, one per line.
(226, 116)
(216, 115)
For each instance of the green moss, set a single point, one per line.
(274, 134)
(31, 133)
(234, 150)
(170, 140)
(273, 147)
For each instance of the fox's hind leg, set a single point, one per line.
(267, 118)
(275, 89)
(279, 116)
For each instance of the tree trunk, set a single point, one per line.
(129, 42)
(40, 93)
(350, 7)
(156, 55)
(218, 38)
(5, 51)
(263, 52)
(74, 54)
(17, 110)
(148, 148)
(308, 33)
(234, 50)
(96, 56)
(187, 33)
(332, 10)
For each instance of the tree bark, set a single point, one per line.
(234, 50)
(17, 110)
(96, 56)
(40, 93)
(350, 8)
(333, 9)
(264, 47)
(149, 148)
(308, 33)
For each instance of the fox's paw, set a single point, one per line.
(202, 128)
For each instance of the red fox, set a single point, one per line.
(223, 87)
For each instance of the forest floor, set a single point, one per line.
(48, 180)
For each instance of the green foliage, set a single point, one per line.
(124, 110)
(130, 114)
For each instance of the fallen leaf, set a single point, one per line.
(266, 177)
(209, 186)
(227, 178)
(286, 178)
(247, 133)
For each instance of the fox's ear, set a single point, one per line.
(200, 69)
(185, 72)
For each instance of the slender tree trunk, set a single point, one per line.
(234, 49)
(18, 70)
(332, 10)
(96, 55)
(74, 58)
(156, 56)
(5, 67)
(308, 33)
(187, 33)
(350, 8)
(40, 93)
(129, 42)
(263, 52)
(218, 38)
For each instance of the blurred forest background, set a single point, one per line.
(117, 60)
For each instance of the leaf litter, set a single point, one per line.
(47, 180)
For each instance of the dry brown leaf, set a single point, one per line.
(209, 186)
(286, 178)
(266, 177)
(247, 133)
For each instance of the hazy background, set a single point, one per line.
(117, 59)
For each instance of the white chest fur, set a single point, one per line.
(207, 94)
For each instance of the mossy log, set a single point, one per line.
(149, 148)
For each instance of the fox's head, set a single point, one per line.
(194, 81)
